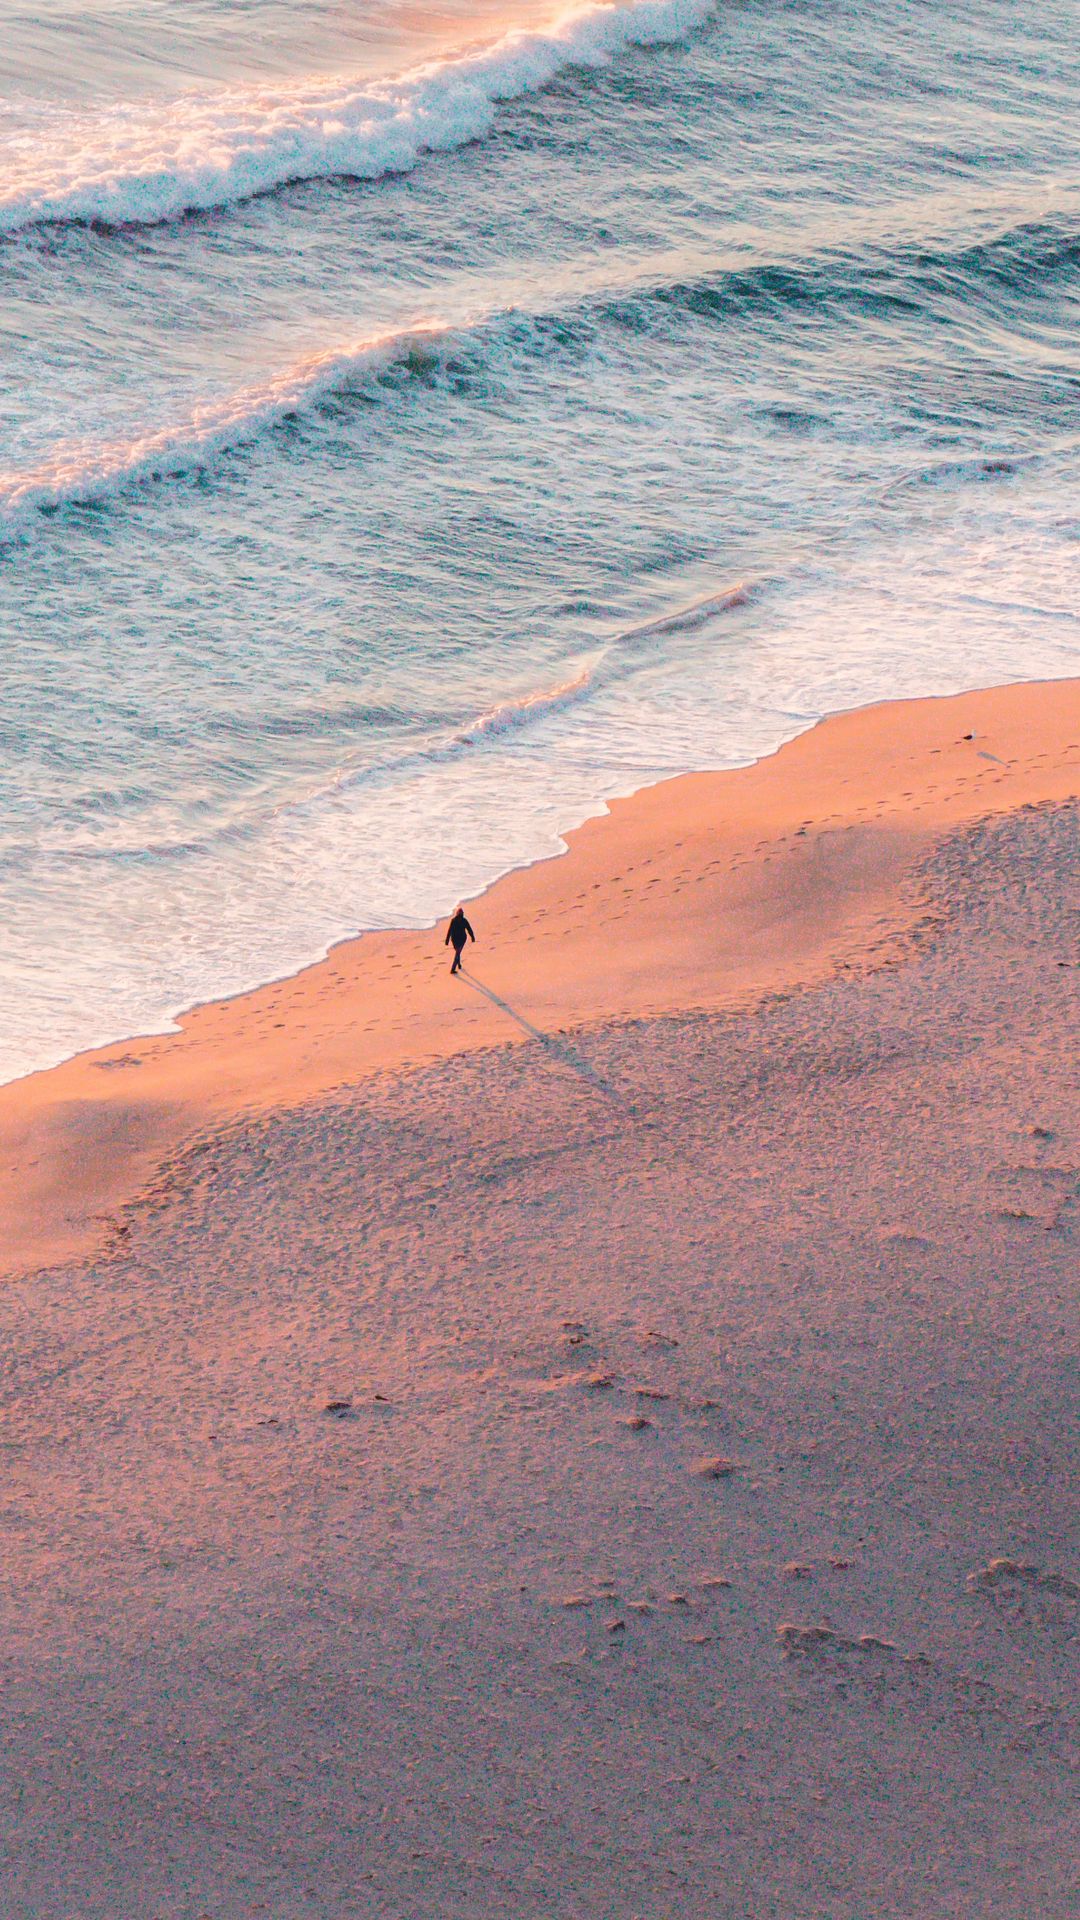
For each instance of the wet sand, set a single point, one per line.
(701, 893)
(595, 1438)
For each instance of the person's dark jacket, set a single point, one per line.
(458, 932)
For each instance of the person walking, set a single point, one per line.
(457, 933)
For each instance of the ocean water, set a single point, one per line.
(418, 425)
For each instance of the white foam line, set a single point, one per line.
(137, 163)
(85, 470)
(536, 705)
(685, 619)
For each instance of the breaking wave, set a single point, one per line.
(84, 470)
(695, 614)
(139, 164)
(509, 715)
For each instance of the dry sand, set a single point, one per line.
(604, 1445)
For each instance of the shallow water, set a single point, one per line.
(410, 436)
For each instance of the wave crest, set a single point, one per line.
(138, 165)
(509, 715)
(82, 471)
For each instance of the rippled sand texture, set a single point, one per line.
(632, 1474)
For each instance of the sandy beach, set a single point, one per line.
(598, 1437)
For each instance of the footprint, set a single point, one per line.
(893, 1680)
(1033, 1597)
(714, 1469)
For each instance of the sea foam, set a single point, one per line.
(508, 715)
(79, 471)
(140, 162)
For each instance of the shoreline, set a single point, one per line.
(165, 1021)
(703, 891)
(624, 1475)
(170, 1021)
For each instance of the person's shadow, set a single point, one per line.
(556, 1049)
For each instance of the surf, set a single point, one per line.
(531, 317)
(85, 471)
(141, 163)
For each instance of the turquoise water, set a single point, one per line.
(418, 426)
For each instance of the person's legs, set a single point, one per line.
(456, 968)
